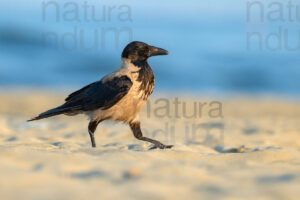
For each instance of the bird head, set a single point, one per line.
(140, 51)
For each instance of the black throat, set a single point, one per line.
(145, 76)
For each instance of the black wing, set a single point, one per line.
(100, 94)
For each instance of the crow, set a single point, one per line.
(118, 96)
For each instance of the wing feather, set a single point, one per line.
(100, 94)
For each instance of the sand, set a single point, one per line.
(249, 151)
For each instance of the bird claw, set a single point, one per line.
(161, 146)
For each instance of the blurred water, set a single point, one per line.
(207, 42)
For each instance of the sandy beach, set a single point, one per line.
(249, 151)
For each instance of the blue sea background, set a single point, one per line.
(207, 41)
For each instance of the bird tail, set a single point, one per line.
(50, 113)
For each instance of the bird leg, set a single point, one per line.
(92, 128)
(137, 132)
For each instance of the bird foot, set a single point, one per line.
(161, 146)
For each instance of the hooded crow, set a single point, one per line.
(119, 96)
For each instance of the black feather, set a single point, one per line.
(49, 113)
(100, 94)
(146, 77)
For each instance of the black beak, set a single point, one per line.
(155, 51)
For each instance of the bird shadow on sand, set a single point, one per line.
(136, 147)
(102, 149)
(116, 147)
(240, 149)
